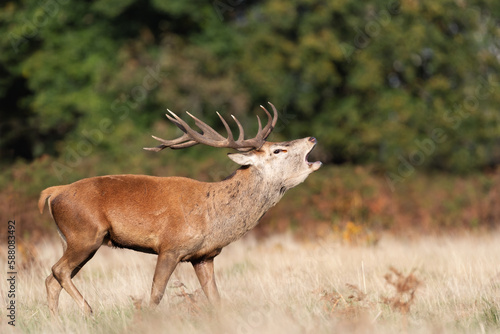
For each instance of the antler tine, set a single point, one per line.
(176, 120)
(184, 145)
(183, 140)
(271, 121)
(260, 125)
(186, 140)
(275, 114)
(241, 137)
(207, 129)
(230, 137)
(193, 135)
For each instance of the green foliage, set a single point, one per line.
(398, 85)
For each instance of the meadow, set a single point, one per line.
(424, 284)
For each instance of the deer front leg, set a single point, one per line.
(205, 271)
(164, 268)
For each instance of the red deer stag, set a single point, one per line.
(177, 218)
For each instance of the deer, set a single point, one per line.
(178, 219)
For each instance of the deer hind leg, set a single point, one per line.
(51, 283)
(165, 266)
(205, 272)
(74, 258)
(53, 291)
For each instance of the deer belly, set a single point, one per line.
(201, 255)
(146, 242)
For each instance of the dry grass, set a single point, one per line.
(438, 285)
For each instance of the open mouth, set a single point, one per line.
(308, 153)
(314, 165)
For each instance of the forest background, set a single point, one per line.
(403, 97)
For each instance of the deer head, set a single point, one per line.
(285, 162)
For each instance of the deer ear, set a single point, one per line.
(243, 159)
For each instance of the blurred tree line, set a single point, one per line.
(397, 85)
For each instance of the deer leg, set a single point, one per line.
(54, 288)
(205, 272)
(164, 268)
(66, 268)
(53, 291)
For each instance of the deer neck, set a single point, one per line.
(240, 201)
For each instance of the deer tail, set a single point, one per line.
(45, 195)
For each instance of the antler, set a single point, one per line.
(210, 137)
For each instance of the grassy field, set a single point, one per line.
(278, 285)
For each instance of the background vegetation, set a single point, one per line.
(406, 90)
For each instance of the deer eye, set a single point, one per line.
(277, 151)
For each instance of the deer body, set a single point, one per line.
(177, 218)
